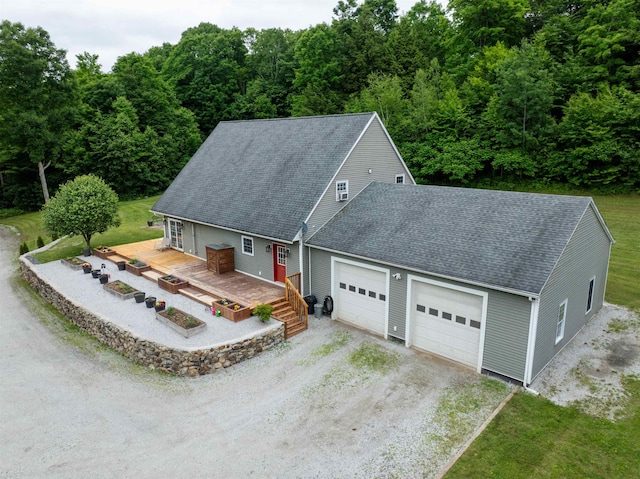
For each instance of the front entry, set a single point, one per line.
(279, 263)
(175, 233)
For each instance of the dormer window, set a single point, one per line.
(400, 179)
(342, 190)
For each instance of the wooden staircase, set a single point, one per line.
(282, 311)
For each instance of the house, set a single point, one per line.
(498, 281)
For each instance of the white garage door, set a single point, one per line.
(446, 322)
(360, 297)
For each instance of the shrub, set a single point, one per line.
(40, 242)
(24, 248)
(263, 311)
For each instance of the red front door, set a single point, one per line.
(279, 263)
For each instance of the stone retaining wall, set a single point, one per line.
(148, 353)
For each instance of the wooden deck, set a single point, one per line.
(236, 286)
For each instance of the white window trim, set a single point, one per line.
(401, 175)
(593, 293)
(346, 189)
(560, 325)
(253, 246)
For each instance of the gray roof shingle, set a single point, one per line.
(505, 239)
(262, 176)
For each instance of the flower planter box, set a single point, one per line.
(73, 263)
(172, 284)
(178, 322)
(103, 252)
(120, 290)
(232, 314)
(137, 268)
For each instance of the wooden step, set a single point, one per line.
(198, 295)
(282, 311)
(152, 275)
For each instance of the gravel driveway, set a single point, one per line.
(71, 408)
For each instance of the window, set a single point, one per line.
(474, 324)
(400, 179)
(461, 320)
(342, 190)
(433, 312)
(562, 315)
(382, 297)
(247, 245)
(592, 285)
(352, 288)
(362, 291)
(372, 294)
(343, 286)
(421, 308)
(446, 315)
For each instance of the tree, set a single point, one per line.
(36, 98)
(84, 206)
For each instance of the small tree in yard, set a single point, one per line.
(84, 206)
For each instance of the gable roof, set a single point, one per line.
(501, 239)
(263, 177)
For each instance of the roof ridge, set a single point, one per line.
(293, 118)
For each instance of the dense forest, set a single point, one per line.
(489, 93)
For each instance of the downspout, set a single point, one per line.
(193, 239)
(531, 344)
(301, 259)
(309, 275)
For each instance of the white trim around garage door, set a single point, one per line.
(411, 279)
(334, 285)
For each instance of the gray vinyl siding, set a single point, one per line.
(508, 315)
(260, 264)
(375, 151)
(586, 256)
(506, 334)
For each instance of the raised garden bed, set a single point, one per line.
(181, 322)
(172, 284)
(137, 268)
(73, 263)
(232, 311)
(103, 252)
(120, 290)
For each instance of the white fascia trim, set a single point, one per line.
(483, 320)
(531, 343)
(335, 175)
(601, 220)
(247, 233)
(516, 292)
(334, 291)
(406, 169)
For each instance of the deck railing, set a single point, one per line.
(295, 299)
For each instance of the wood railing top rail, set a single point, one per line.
(297, 302)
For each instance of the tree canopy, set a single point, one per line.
(487, 93)
(84, 206)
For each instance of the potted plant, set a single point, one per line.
(104, 278)
(139, 296)
(263, 311)
(95, 273)
(86, 267)
(121, 265)
(150, 301)
(160, 304)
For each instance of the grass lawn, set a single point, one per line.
(534, 438)
(622, 214)
(134, 215)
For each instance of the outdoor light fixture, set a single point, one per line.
(268, 248)
(288, 251)
(370, 171)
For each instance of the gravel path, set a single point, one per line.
(136, 317)
(70, 407)
(589, 372)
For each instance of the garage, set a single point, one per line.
(446, 321)
(360, 296)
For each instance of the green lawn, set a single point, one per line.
(534, 438)
(622, 215)
(134, 215)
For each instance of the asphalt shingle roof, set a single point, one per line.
(262, 176)
(504, 239)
